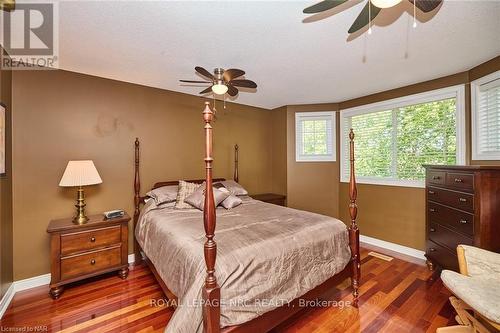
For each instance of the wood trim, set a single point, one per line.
(484, 69)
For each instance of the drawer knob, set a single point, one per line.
(92, 262)
(432, 210)
(92, 239)
(432, 192)
(463, 221)
(432, 249)
(459, 180)
(436, 177)
(432, 229)
(462, 200)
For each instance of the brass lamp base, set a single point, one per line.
(80, 217)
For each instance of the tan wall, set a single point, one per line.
(311, 186)
(6, 256)
(62, 116)
(279, 169)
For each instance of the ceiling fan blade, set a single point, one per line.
(322, 6)
(426, 5)
(232, 91)
(232, 73)
(189, 81)
(362, 19)
(204, 72)
(243, 83)
(209, 89)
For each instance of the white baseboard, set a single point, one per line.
(409, 251)
(30, 283)
(5, 301)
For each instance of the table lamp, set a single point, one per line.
(80, 173)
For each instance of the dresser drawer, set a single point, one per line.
(91, 239)
(441, 255)
(87, 263)
(455, 219)
(460, 181)
(444, 236)
(436, 177)
(453, 199)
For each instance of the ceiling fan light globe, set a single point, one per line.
(219, 89)
(385, 3)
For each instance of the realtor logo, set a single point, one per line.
(30, 36)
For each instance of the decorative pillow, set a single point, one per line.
(164, 194)
(185, 190)
(197, 198)
(231, 201)
(234, 187)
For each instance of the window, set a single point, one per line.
(315, 136)
(393, 139)
(486, 117)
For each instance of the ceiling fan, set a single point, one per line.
(371, 9)
(223, 81)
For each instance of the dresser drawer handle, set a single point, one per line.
(92, 239)
(436, 177)
(92, 262)
(459, 180)
(463, 221)
(432, 249)
(432, 210)
(462, 200)
(432, 192)
(432, 230)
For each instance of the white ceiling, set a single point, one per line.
(293, 62)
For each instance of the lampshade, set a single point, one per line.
(80, 173)
(219, 89)
(385, 3)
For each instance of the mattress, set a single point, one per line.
(267, 255)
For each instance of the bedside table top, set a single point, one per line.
(268, 196)
(95, 221)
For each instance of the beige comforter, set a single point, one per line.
(267, 255)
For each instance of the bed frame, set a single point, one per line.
(211, 290)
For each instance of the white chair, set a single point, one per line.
(478, 290)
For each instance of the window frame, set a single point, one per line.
(475, 86)
(299, 116)
(457, 92)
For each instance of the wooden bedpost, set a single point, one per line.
(211, 291)
(353, 228)
(137, 201)
(235, 177)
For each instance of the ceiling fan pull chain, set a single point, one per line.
(414, 13)
(369, 17)
(224, 97)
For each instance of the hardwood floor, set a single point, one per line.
(396, 296)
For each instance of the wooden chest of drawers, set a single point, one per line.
(82, 251)
(463, 207)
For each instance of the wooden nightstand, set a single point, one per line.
(82, 251)
(277, 199)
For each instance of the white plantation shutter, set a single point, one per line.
(486, 117)
(315, 136)
(393, 139)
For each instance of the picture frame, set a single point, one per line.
(3, 127)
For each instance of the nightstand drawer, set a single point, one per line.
(91, 239)
(87, 263)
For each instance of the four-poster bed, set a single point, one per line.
(243, 246)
